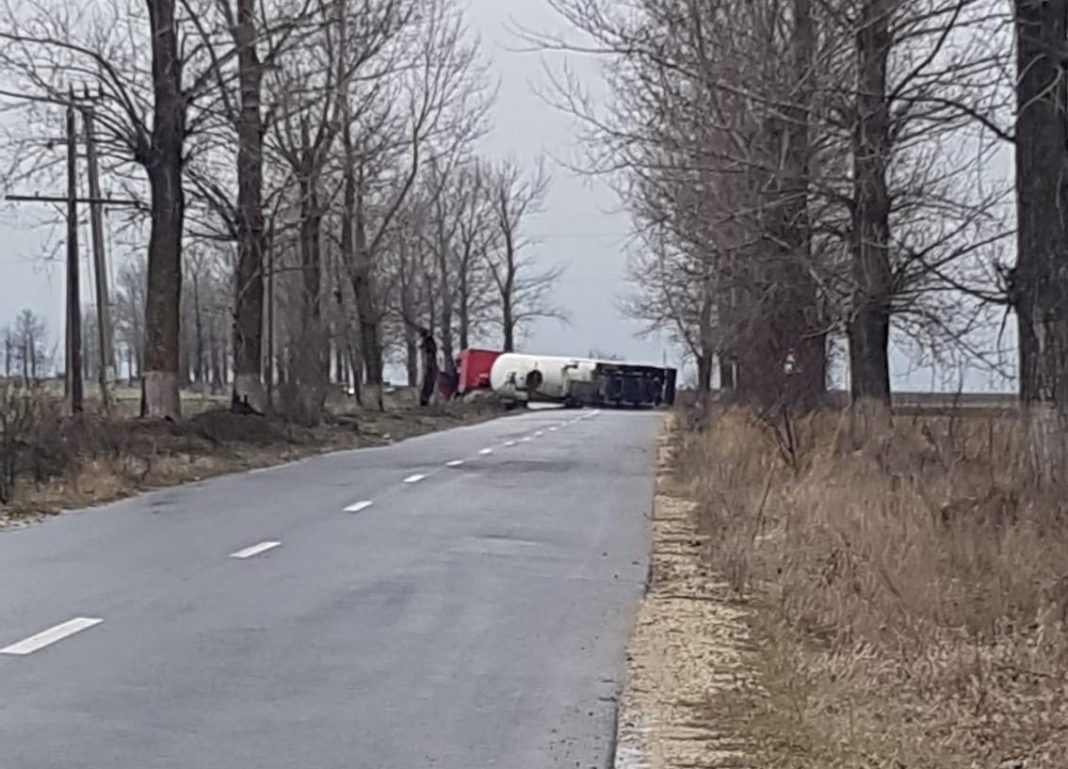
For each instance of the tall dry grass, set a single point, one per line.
(914, 592)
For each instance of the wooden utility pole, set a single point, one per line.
(103, 305)
(270, 321)
(72, 388)
(74, 318)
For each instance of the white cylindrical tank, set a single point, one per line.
(538, 377)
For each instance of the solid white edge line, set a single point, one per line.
(454, 463)
(254, 550)
(415, 478)
(357, 507)
(51, 636)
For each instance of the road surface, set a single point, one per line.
(460, 600)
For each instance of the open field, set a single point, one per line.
(906, 402)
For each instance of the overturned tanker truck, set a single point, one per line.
(574, 382)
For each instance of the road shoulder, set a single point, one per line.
(690, 654)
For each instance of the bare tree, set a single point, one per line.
(311, 87)
(474, 236)
(1039, 290)
(150, 86)
(432, 107)
(674, 296)
(524, 293)
(30, 346)
(253, 43)
(1038, 286)
(130, 314)
(9, 352)
(788, 160)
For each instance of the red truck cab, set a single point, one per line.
(475, 368)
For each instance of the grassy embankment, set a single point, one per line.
(49, 463)
(907, 604)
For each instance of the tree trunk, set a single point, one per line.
(706, 340)
(779, 339)
(869, 324)
(307, 386)
(88, 353)
(446, 297)
(430, 368)
(164, 165)
(508, 322)
(465, 305)
(186, 349)
(704, 373)
(198, 364)
(366, 308)
(217, 358)
(1039, 290)
(806, 350)
(356, 372)
(224, 356)
(726, 372)
(507, 308)
(251, 239)
(411, 358)
(508, 290)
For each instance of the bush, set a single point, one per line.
(32, 442)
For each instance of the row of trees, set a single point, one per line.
(805, 169)
(322, 150)
(25, 356)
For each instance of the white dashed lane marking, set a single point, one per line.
(255, 550)
(509, 444)
(414, 478)
(51, 636)
(454, 463)
(357, 507)
(486, 452)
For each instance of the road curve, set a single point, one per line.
(460, 600)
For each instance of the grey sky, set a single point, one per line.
(579, 228)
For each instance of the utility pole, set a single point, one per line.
(103, 303)
(74, 318)
(72, 385)
(270, 320)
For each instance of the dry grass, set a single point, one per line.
(912, 597)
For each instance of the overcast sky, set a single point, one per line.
(580, 227)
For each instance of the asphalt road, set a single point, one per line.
(470, 616)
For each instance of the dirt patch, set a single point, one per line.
(690, 657)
